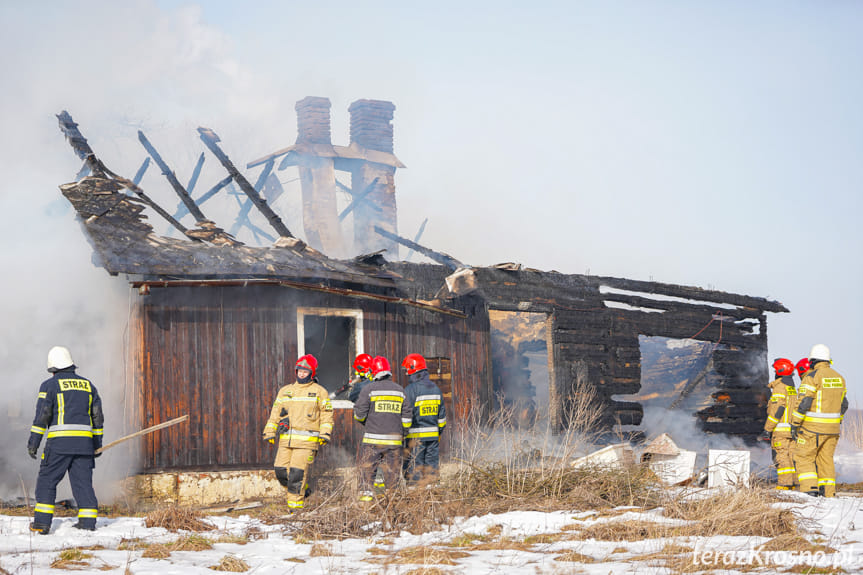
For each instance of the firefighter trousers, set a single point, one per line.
(783, 459)
(423, 461)
(292, 468)
(52, 470)
(386, 457)
(813, 456)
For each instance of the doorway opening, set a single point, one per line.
(520, 366)
(334, 337)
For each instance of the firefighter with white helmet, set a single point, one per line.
(69, 416)
(815, 423)
(777, 428)
(382, 409)
(302, 421)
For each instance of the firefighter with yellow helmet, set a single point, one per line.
(302, 421)
(816, 423)
(777, 428)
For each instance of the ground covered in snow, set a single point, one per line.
(618, 540)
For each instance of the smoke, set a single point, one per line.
(125, 67)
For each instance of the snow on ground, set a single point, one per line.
(529, 545)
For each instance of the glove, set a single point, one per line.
(272, 440)
(324, 439)
(794, 429)
(765, 436)
(32, 451)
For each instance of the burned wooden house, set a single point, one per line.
(217, 324)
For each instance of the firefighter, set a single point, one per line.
(382, 409)
(777, 429)
(302, 420)
(362, 375)
(815, 423)
(428, 419)
(69, 414)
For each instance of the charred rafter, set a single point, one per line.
(169, 174)
(211, 140)
(439, 257)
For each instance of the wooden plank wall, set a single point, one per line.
(221, 354)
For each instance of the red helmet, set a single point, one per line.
(309, 362)
(413, 363)
(363, 363)
(783, 366)
(380, 366)
(802, 366)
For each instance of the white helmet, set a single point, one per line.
(59, 358)
(820, 352)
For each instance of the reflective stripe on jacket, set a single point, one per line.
(428, 411)
(382, 408)
(783, 402)
(309, 411)
(68, 414)
(825, 389)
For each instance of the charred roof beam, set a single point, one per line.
(211, 140)
(83, 150)
(169, 174)
(440, 257)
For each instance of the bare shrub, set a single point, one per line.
(175, 518)
(231, 563)
(852, 428)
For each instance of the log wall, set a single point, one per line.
(221, 354)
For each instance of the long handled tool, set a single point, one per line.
(150, 429)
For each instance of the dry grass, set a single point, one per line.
(421, 555)
(235, 539)
(232, 564)
(747, 512)
(426, 571)
(176, 518)
(625, 531)
(575, 557)
(191, 543)
(71, 559)
(321, 550)
(295, 560)
(795, 542)
(156, 551)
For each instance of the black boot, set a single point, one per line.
(80, 525)
(40, 528)
(820, 491)
(813, 493)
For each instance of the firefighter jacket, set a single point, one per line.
(309, 412)
(428, 409)
(382, 408)
(69, 414)
(822, 401)
(783, 402)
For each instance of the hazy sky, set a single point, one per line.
(714, 144)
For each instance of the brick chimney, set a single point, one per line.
(371, 125)
(318, 177)
(313, 120)
(371, 128)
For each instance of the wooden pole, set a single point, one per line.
(150, 429)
